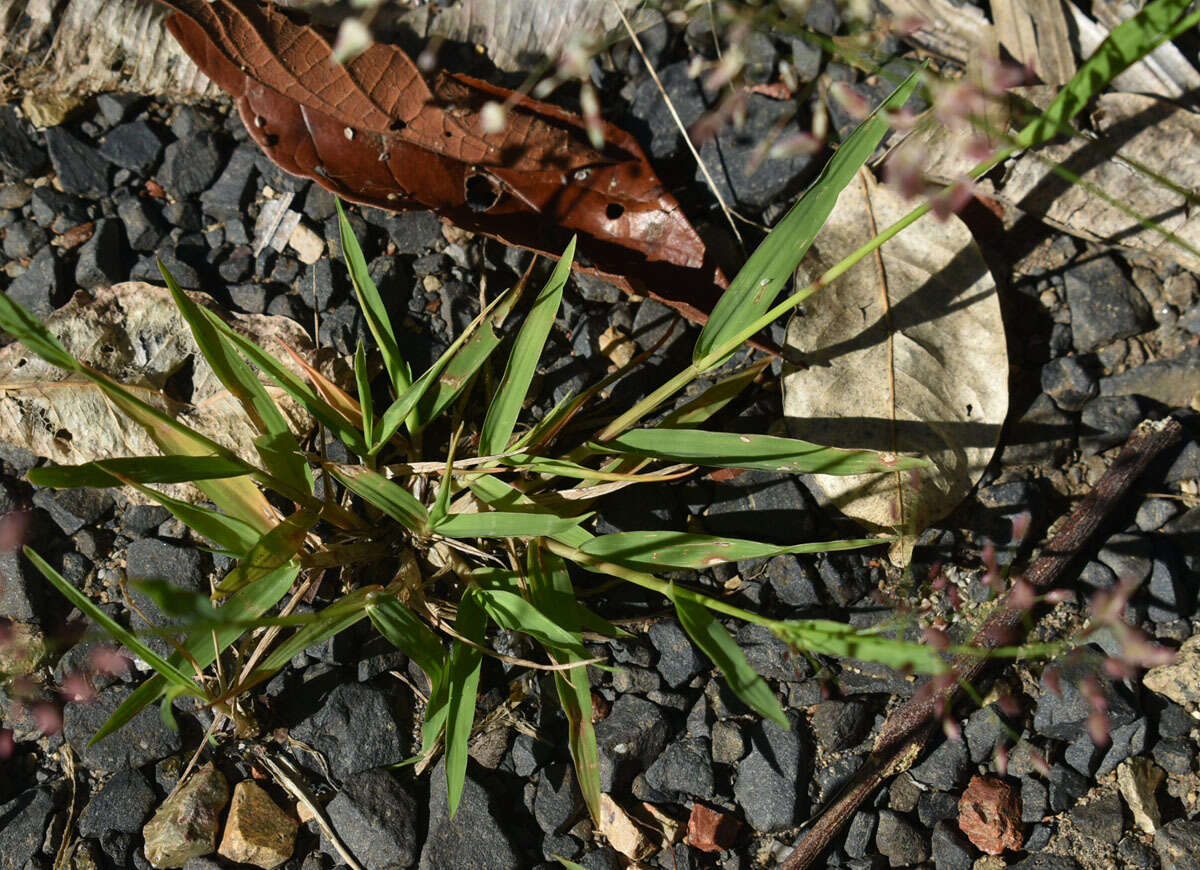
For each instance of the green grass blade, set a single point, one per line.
(408, 633)
(176, 601)
(497, 494)
(754, 289)
(505, 524)
(18, 322)
(663, 551)
(762, 452)
(139, 469)
(228, 533)
(716, 643)
(390, 497)
(462, 677)
(522, 361)
(399, 410)
(118, 632)
(372, 305)
(337, 617)
(271, 552)
(459, 373)
(712, 400)
(248, 604)
(512, 612)
(292, 385)
(550, 590)
(441, 505)
(826, 637)
(1127, 44)
(363, 381)
(280, 451)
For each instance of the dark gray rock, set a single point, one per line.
(1104, 304)
(684, 768)
(947, 767)
(150, 558)
(24, 821)
(900, 841)
(558, 800)
(115, 108)
(145, 738)
(860, 833)
(72, 509)
(318, 286)
(190, 165)
(678, 659)
(57, 211)
(1083, 755)
(1171, 597)
(1097, 575)
(1154, 513)
(903, 793)
(1035, 799)
(655, 36)
(983, 730)
(23, 239)
(147, 269)
(142, 228)
(1068, 383)
(769, 656)
(794, 582)
(839, 725)
(1175, 755)
(122, 804)
(102, 257)
(771, 779)
(40, 288)
(343, 327)
(80, 169)
(229, 197)
(133, 146)
(1125, 741)
(1130, 557)
(375, 815)
(742, 174)
(949, 848)
(1042, 434)
(354, 729)
(1066, 787)
(1108, 421)
(22, 588)
(1178, 844)
(628, 740)
(1101, 819)
(475, 838)
(934, 806)
(20, 155)
(652, 122)
(1065, 717)
(1137, 854)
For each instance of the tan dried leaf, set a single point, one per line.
(135, 333)
(905, 353)
(1134, 135)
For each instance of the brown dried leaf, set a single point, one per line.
(904, 354)
(375, 131)
(135, 333)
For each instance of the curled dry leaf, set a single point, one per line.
(379, 132)
(904, 353)
(135, 333)
(1134, 135)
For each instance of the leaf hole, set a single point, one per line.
(482, 192)
(63, 435)
(179, 385)
(22, 361)
(397, 125)
(614, 210)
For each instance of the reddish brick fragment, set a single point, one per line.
(989, 813)
(711, 830)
